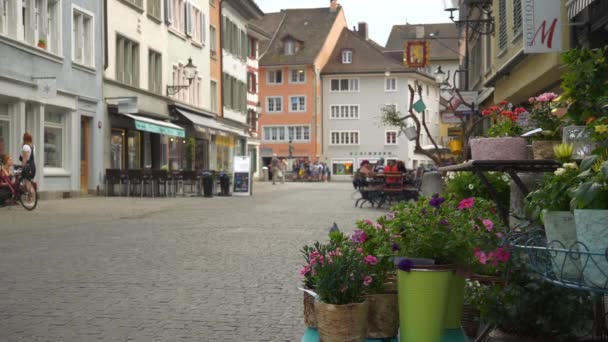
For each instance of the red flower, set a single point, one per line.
(520, 110)
(503, 103)
(590, 119)
(486, 112)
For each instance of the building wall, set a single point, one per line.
(215, 66)
(78, 95)
(234, 65)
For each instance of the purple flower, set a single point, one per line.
(390, 215)
(405, 265)
(395, 247)
(436, 201)
(444, 222)
(358, 236)
(423, 211)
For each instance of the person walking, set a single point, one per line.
(274, 164)
(28, 164)
(282, 170)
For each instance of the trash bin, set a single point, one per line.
(224, 184)
(264, 174)
(207, 183)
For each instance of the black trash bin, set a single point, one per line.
(207, 177)
(224, 184)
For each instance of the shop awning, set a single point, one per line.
(207, 124)
(156, 126)
(576, 6)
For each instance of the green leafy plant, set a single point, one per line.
(563, 152)
(592, 191)
(466, 184)
(585, 83)
(599, 133)
(550, 195)
(504, 120)
(541, 116)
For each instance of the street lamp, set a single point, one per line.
(190, 73)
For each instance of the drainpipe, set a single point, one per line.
(220, 54)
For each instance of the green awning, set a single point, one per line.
(157, 126)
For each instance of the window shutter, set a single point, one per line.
(169, 11)
(203, 29)
(243, 44)
(189, 18)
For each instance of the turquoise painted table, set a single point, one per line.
(449, 335)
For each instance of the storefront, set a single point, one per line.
(342, 167)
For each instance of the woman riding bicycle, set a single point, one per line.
(6, 178)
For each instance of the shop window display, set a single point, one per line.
(53, 140)
(134, 150)
(116, 149)
(342, 167)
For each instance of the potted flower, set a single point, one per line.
(41, 43)
(373, 240)
(553, 208)
(465, 184)
(541, 116)
(503, 140)
(340, 279)
(590, 205)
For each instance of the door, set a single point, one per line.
(84, 155)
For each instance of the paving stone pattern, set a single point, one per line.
(177, 269)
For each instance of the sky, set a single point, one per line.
(380, 15)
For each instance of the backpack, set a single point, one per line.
(29, 169)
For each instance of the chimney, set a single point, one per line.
(363, 30)
(333, 5)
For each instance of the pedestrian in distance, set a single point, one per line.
(274, 165)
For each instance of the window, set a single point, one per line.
(133, 150)
(297, 76)
(4, 10)
(127, 61)
(274, 104)
(40, 24)
(274, 77)
(178, 12)
(342, 167)
(137, 3)
(390, 84)
(517, 27)
(117, 148)
(212, 40)
(286, 133)
(390, 107)
(252, 83)
(297, 103)
(155, 67)
(390, 138)
(154, 8)
(53, 140)
(253, 48)
(290, 47)
(502, 24)
(213, 89)
(83, 39)
(344, 111)
(344, 137)
(345, 85)
(347, 56)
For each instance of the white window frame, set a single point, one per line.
(386, 139)
(289, 47)
(300, 109)
(390, 84)
(297, 73)
(272, 81)
(351, 82)
(64, 153)
(136, 72)
(347, 56)
(347, 109)
(5, 11)
(344, 138)
(155, 77)
(154, 8)
(213, 101)
(50, 32)
(91, 36)
(392, 104)
(268, 98)
(213, 40)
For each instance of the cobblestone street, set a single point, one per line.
(177, 269)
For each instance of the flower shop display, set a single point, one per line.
(503, 141)
(373, 241)
(590, 205)
(541, 116)
(465, 184)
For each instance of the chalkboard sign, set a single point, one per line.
(242, 176)
(241, 182)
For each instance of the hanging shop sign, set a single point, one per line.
(417, 54)
(542, 26)
(224, 141)
(450, 118)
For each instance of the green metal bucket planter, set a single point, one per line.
(423, 296)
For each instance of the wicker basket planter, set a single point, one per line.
(309, 311)
(470, 320)
(342, 323)
(543, 149)
(383, 316)
(498, 148)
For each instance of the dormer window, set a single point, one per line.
(347, 56)
(290, 47)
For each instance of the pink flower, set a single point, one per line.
(489, 224)
(500, 235)
(368, 221)
(304, 271)
(466, 203)
(359, 250)
(370, 259)
(358, 236)
(492, 258)
(367, 280)
(480, 256)
(378, 226)
(532, 100)
(502, 255)
(542, 98)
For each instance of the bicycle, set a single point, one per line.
(20, 192)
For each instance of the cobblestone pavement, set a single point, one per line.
(177, 269)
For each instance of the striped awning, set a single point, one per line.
(576, 6)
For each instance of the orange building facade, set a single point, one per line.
(215, 52)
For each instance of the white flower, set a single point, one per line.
(471, 186)
(505, 178)
(451, 175)
(570, 166)
(560, 171)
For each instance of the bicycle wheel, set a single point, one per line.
(28, 199)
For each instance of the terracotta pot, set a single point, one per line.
(342, 323)
(383, 316)
(488, 280)
(309, 311)
(543, 149)
(507, 148)
(390, 284)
